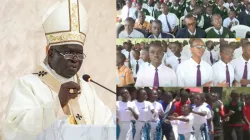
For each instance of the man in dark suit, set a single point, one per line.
(157, 30)
(244, 16)
(190, 31)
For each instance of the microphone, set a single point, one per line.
(87, 78)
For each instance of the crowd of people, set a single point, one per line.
(152, 113)
(182, 19)
(180, 64)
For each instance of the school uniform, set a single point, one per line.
(222, 33)
(188, 10)
(222, 12)
(156, 131)
(161, 76)
(238, 52)
(142, 125)
(201, 121)
(145, 11)
(188, 73)
(125, 76)
(227, 22)
(207, 21)
(185, 129)
(133, 34)
(125, 116)
(241, 69)
(169, 18)
(175, 61)
(210, 57)
(177, 10)
(223, 72)
(136, 65)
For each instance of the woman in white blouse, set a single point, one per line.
(146, 111)
(126, 111)
(156, 131)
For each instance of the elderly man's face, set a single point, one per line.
(190, 23)
(65, 67)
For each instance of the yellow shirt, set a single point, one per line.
(125, 76)
(145, 26)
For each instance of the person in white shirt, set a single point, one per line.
(177, 58)
(228, 4)
(136, 63)
(231, 21)
(128, 53)
(186, 50)
(129, 31)
(128, 11)
(146, 110)
(195, 72)
(155, 132)
(156, 74)
(184, 123)
(144, 56)
(210, 55)
(167, 52)
(125, 111)
(241, 66)
(238, 51)
(202, 115)
(169, 20)
(223, 71)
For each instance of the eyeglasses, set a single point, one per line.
(191, 24)
(198, 47)
(68, 55)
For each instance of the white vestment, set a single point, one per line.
(35, 106)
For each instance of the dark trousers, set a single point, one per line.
(228, 133)
(167, 131)
(218, 134)
(246, 135)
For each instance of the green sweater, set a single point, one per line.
(157, 13)
(177, 12)
(222, 13)
(226, 34)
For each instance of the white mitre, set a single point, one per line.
(66, 23)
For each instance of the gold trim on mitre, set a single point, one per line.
(73, 34)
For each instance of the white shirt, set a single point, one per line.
(122, 112)
(227, 21)
(187, 73)
(219, 72)
(172, 20)
(125, 10)
(133, 65)
(145, 77)
(206, 56)
(201, 119)
(191, 32)
(185, 12)
(158, 110)
(167, 54)
(174, 62)
(184, 127)
(201, 23)
(228, 5)
(217, 31)
(144, 109)
(186, 51)
(126, 53)
(238, 52)
(239, 66)
(134, 34)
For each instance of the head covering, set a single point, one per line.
(65, 23)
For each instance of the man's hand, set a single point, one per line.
(208, 84)
(244, 82)
(212, 132)
(222, 84)
(64, 93)
(130, 109)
